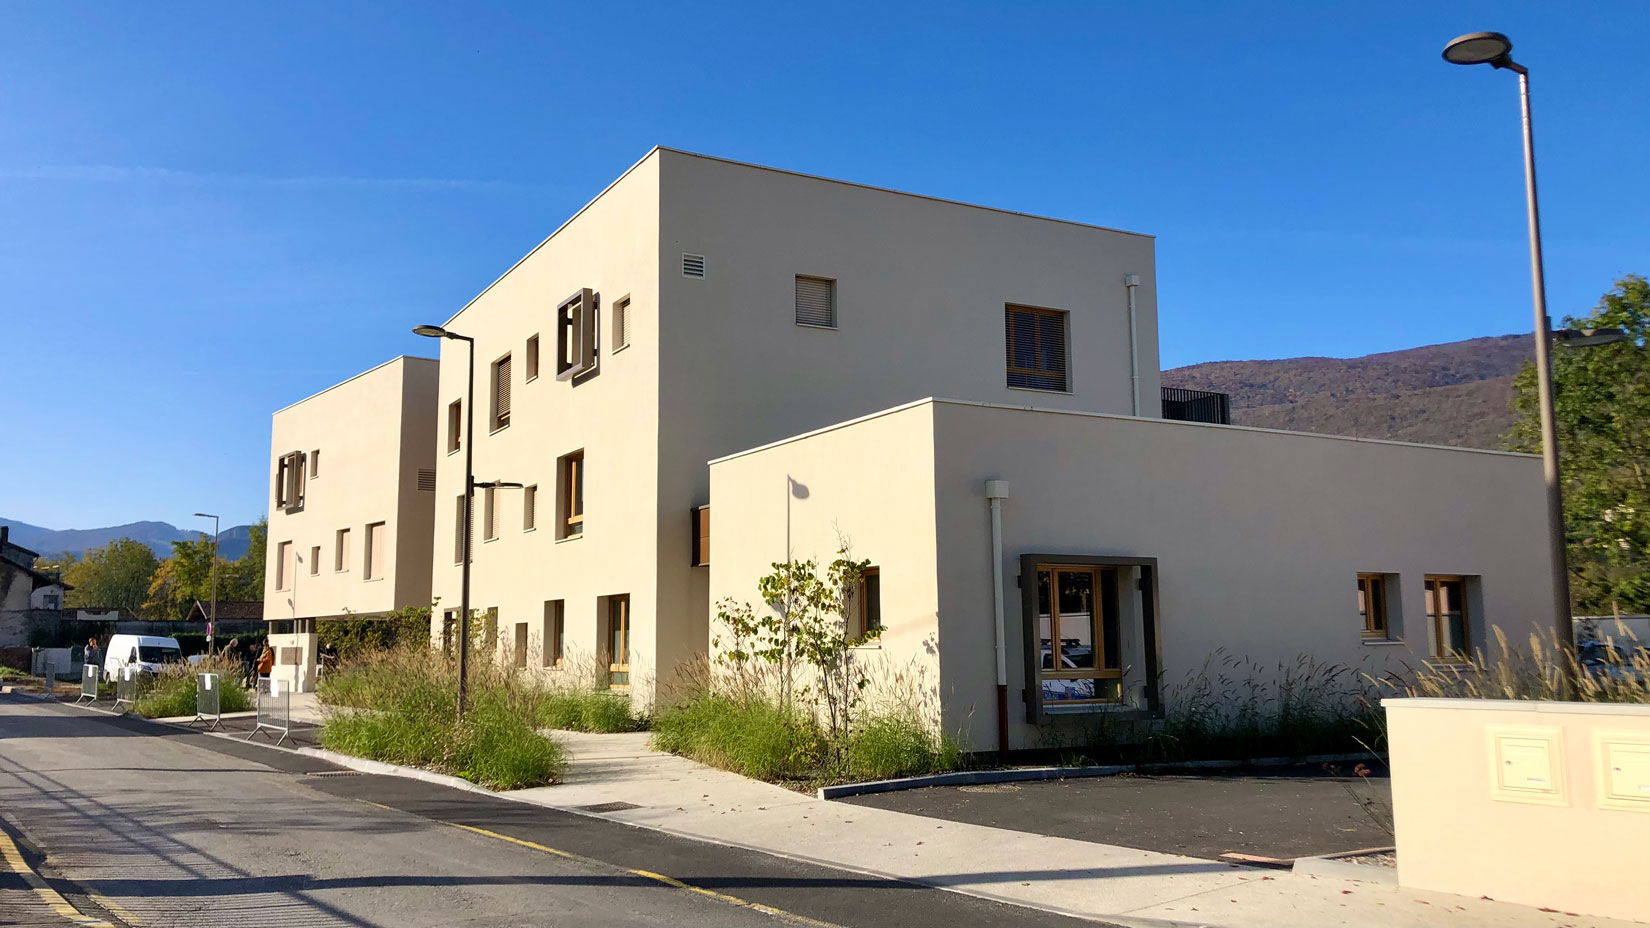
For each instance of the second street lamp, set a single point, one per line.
(212, 620)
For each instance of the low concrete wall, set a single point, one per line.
(1541, 803)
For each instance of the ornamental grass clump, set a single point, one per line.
(171, 692)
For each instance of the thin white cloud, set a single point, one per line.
(105, 173)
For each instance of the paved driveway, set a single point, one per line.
(1288, 812)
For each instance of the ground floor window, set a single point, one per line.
(1447, 613)
(868, 609)
(520, 652)
(617, 640)
(1091, 635)
(1077, 634)
(1372, 605)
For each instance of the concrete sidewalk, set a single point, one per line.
(1098, 881)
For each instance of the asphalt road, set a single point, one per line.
(185, 829)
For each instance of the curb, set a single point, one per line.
(1345, 870)
(971, 777)
(384, 768)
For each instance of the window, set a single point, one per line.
(52, 601)
(449, 630)
(616, 640)
(576, 321)
(455, 425)
(868, 606)
(501, 393)
(529, 508)
(283, 566)
(816, 302)
(532, 372)
(489, 631)
(571, 494)
(1036, 341)
(699, 549)
(1078, 635)
(621, 323)
(489, 514)
(315, 463)
(459, 524)
(1372, 605)
(377, 551)
(314, 560)
(554, 633)
(289, 482)
(1447, 613)
(340, 557)
(519, 651)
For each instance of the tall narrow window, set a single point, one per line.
(1077, 631)
(458, 531)
(519, 647)
(529, 508)
(449, 630)
(315, 463)
(314, 560)
(532, 359)
(571, 493)
(576, 324)
(554, 633)
(816, 302)
(621, 323)
(489, 514)
(376, 553)
(869, 607)
(341, 553)
(1372, 605)
(455, 425)
(617, 640)
(489, 631)
(1447, 613)
(501, 393)
(283, 566)
(1036, 340)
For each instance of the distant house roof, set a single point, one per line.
(236, 609)
(37, 578)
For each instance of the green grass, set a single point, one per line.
(12, 673)
(172, 692)
(898, 745)
(583, 710)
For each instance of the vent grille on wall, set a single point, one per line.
(426, 479)
(693, 265)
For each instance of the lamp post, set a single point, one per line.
(435, 331)
(212, 620)
(1495, 50)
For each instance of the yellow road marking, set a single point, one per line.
(52, 898)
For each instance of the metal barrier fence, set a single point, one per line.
(88, 683)
(48, 673)
(208, 700)
(128, 686)
(274, 710)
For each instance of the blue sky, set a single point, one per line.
(186, 188)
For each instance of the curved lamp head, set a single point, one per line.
(430, 331)
(1491, 48)
(1589, 338)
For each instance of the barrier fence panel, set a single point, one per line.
(274, 709)
(48, 672)
(88, 683)
(128, 686)
(208, 700)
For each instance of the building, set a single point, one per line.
(29, 599)
(351, 506)
(714, 344)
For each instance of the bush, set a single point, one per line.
(172, 691)
(583, 710)
(898, 745)
(401, 707)
(12, 673)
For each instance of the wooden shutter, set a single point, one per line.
(1036, 348)
(816, 302)
(588, 327)
(501, 392)
(700, 554)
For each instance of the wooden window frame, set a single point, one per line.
(1437, 618)
(862, 602)
(502, 374)
(519, 645)
(1375, 608)
(458, 530)
(1064, 374)
(1037, 712)
(1101, 579)
(571, 477)
(617, 663)
(555, 633)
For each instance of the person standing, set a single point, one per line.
(266, 661)
(93, 657)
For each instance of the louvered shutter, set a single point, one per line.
(501, 392)
(589, 326)
(815, 301)
(621, 323)
(693, 265)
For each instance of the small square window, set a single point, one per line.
(1036, 342)
(816, 302)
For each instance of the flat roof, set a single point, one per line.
(761, 167)
(401, 357)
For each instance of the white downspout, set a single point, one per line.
(996, 491)
(1131, 281)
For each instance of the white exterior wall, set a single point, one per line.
(374, 432)
(1259, 535)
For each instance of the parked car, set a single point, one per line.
(148, 653)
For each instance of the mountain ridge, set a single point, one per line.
(233, 541)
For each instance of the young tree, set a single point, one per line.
(115, 576)
(1602, 412)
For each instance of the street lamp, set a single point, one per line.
(1495, 50)
(212, 620)
(435, 331)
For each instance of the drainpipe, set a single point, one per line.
(1131, 281)
(996, 491)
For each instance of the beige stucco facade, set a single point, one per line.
(1542, 803)
(1258, 538)
(372, 436)
(717, 363)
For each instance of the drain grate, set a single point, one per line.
(608, 807)
(336, 773)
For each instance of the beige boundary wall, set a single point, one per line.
(1541, 803)
(1259, 535)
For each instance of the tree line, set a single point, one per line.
(125, 574)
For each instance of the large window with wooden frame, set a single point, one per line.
(570, 495)
(554, 634)
(1447, 614)
(867, 612)
(501, 393)
(1077, 634)
(1372, 606)
(1036, 341)
(616, 640)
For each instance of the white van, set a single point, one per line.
(149, 653)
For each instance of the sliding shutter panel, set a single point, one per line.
(816, 301)
(502, 389)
